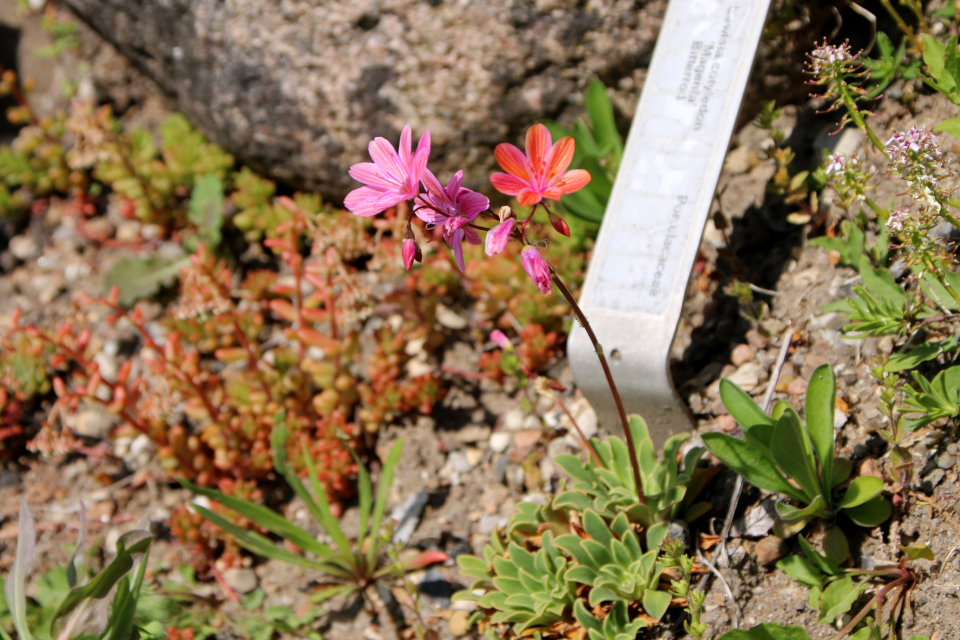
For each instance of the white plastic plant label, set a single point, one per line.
(651, 231)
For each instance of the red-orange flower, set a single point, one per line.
(542, 172)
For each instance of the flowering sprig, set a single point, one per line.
(916, 158)
(840, 71)
(395, 176)
(848, 176)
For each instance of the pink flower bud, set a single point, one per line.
(411, 252)
(501, 339)
(499, 236)
(537, 268)
(559, 224)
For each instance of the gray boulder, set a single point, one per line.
(296, 88)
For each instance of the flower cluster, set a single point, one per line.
(915, 157)
(848, 176)
(396, 175)
(830, 61)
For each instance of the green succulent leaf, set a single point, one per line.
(863, 489)
(751, 463)
(801, 569)
(870, 513)
(793, 453)
(838, 597)
(767, 631)
(820, 405)
(741, 406)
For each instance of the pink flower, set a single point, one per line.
(454, 208)
(541, 173)
(391, 178)
(501, 339)
(537, 268)
(499, 236)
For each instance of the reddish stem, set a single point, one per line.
(634, 459)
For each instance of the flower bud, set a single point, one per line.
(411, 252)
(559, 224)
(537, 268)
(498, 237)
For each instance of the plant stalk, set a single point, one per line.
(634, 459)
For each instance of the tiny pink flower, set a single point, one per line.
(391, 178)
(452, 207)
(537, 268)
(498, 237)
(501, 339)
(542, 172)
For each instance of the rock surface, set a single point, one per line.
(298, 88)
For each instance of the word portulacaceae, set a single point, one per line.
(396, 175)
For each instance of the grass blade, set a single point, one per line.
(383, 494)
(271, 521)
(15, 587)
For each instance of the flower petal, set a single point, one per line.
(456, 242)
(559, 158)
(472, 203)
(429, 216)
(507, 184)
(538, 144)
(419, 161)
(367, 202)
(528, 196)
(512, 160)
(455, 183)
(385, 157)
(404, 146)
(471, 235)
(370, 174)
(573, 180)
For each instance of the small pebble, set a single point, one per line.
(742, 354)
(770, 549)
(499, 441)
(240, 580)
(946, 461)
(797, 387)
(727, 422)
(24, 247)
(458, 623)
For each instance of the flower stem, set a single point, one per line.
(634, 460)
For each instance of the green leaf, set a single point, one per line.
(793, 514)
(273, 522)
(260, 545)
(924, 353)
(822, 562)
(140, 278)
(793, 453)
(838, 597)
(880, 282)
(124, 609)
(751, 463)
(870, 513)
(741, 406)
(601, 117)
(130, 543)
(14, 589)
(918, 551)
(950, 126)
(934, 53)
(842, 468)
(819, 408)
(835, 545)
(655, 603)
(801, 569)
(951, 68)
(383, 493)
(861, 490)
(77, 550)
(206, 209)
(767, 631)
(319, 508)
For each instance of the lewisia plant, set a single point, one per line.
(452, 211)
